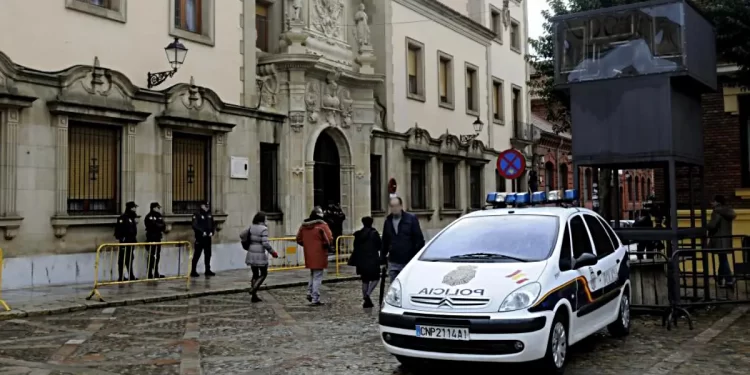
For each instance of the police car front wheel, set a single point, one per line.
(557, 347)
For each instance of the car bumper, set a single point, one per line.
(490, 339)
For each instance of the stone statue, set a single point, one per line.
(362, 30)
(296, 10)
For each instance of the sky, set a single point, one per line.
(535, 17)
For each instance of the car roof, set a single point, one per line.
(560, 212)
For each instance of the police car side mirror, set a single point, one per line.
(586, 260)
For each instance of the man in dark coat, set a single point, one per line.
(335, 217)
(720, 232)
(402, 238)
(154, 228)
(644, 221)
(126, 230)
(204, 227)
(366, 257)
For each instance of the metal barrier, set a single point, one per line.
(344, 248)
(113, 253)
(291, 255)
(2, 303)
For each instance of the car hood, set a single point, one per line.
(464, 287)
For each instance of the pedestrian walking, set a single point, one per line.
(154, 228)
(644, 221)
(126, 230)
(720, 233)
(402, 238)
(204, 227)
(255, 241)
(334, 217)
(315, 237)
(366, 258)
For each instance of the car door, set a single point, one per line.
(582, 244)
(606, 291)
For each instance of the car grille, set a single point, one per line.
(481, 347)
(455, 302)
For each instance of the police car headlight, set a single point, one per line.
(393, 297)
(521, 298)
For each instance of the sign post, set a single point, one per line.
(510, 165)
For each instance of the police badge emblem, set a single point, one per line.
(460, 276)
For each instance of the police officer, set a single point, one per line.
(154, 228)
(125, 232)
(203, 226)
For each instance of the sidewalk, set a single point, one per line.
(66, 298)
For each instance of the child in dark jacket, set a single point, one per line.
(366, 257)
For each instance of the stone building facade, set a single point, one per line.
(280, 105)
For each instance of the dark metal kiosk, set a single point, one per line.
(635, 75)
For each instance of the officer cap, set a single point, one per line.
(155, 205)
(130, 204)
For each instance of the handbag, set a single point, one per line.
(245, 239)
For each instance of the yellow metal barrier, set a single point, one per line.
(291, 256)
(109, 253)
(2, 303)
(344, 248)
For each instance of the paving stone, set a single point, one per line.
(227, 334)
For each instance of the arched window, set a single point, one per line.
(636, 194)
(648, 187)
(587, 184)
(644, 193)
(630, 186)
(563, 176)
(549, 176)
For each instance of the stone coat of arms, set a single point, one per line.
(460, 276)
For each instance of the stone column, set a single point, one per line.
(347, 197)
(295, 172)
(61, 165)
(128, 164)
(218, 173)
(9, 149)
(166, 160)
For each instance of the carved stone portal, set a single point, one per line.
(327, 18)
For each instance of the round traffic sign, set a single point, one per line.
(511, 164)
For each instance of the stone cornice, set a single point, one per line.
(446, 16)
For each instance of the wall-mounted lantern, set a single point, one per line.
(478, 125)
(176, 53)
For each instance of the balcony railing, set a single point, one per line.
(525, 132)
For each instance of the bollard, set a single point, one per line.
(113, 251)
(2, 303)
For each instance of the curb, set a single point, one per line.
(16, 314)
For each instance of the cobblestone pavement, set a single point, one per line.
(282, 335)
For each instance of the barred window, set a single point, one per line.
(190, 172)
(269, 177)
(94, 169)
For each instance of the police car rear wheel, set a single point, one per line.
(621, 326)
(557, 347)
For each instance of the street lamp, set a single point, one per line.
(176, 53)
(478, 125)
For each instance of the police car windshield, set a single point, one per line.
(512, 238)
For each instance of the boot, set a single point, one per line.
(209, 273)
(255, 298)
(132, 277)
(368, 303)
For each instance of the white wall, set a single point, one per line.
(45, 35)
(429, 114)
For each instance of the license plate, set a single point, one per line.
(443, 333)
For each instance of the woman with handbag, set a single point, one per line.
(315, 237)
(255, 241)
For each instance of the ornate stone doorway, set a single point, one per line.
(327, 172)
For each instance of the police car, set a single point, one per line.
(515, 284)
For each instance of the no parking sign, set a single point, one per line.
(511, 164)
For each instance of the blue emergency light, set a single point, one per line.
(536, 198)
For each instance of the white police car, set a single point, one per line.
(516, 284)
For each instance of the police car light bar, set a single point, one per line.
(540, 197)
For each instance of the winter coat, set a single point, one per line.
(260, 248)
(402, 246)
(366, 254)
(154, 226)
(126, 228)
(720, 227)
(203, 225)
(314, 236)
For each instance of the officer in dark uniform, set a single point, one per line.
(154, 228)
(203, 226)
(125, 232)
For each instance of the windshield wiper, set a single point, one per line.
(488, 256)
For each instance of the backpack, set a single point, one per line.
(245, 239)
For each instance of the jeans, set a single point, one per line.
(259, 276)
(313, 286)
(725, 272)
(394, 269)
